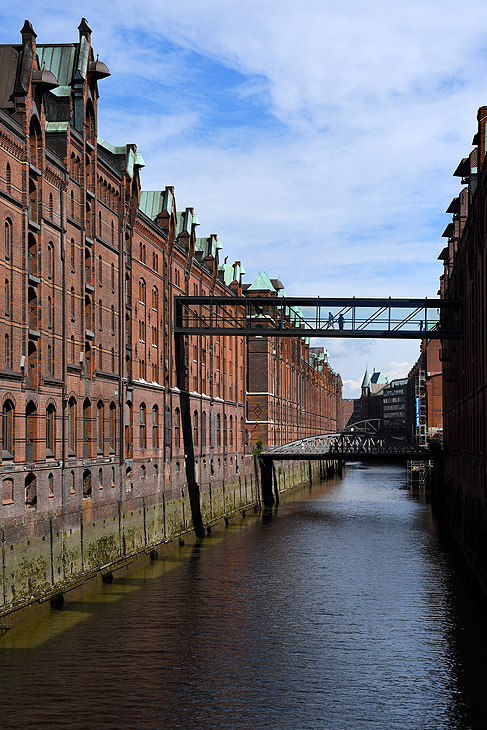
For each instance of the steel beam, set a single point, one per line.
(316, 317)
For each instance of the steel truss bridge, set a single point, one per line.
(317, 317)
(362, 441)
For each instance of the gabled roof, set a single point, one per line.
(261, 283)
(153, 202)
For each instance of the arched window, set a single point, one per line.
(203, 430)
(73, 349)
(72, 427)
(142, 291)
(30, 491)
(100, 315)
(50, 485)
(86, 423)
(129, 422)
(113, 359)
(155, 298)
(73, 304)
(100, 419)
(230, 433)
(8, 238)
(71, 210)
(50, 430)
(112, 426)
(72, 254)
(112, 234)
(8, 430)
(100, 478)
(30, 430)
(142, 427)
(112, 276)
(177, 428)
(195, 428)
(86, 484)
(50, 260)
(218, 430)
(155, 427)
(113, 320)
(100, 271)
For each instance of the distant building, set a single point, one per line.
(371, 398)
(348, 408)
(425, 395)
(394, 404)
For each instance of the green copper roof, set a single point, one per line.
(119, 150)
(261, 283)
(59, 60)
(231, 272)
(151, 202)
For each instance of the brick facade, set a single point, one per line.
(91, 420)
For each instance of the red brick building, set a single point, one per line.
(93, 466)
(464, 361)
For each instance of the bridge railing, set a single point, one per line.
(316, 317)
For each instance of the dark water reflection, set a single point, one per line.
(346, 611)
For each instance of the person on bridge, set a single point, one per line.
(340, 321)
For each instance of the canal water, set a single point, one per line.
(347, 609)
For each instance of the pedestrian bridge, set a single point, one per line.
(365, 440)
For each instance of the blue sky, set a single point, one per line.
(317, 139)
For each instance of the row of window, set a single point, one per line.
(222, 433)
(31, 486)
(31, 427)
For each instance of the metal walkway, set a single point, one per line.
(361, 441)
(316, 317)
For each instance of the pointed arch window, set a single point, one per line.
(142, 426)
(8, 429)
(100, 419)
(155, 298)
(218, 430)
(112, 426)
(8, 238)
(72, 427)
(142, 291)
(50, 430)
(50, 260)
(155, 427)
